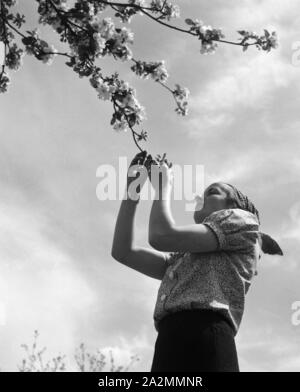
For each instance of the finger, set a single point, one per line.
(146, 164)
(140, 154)
(134, 160)
(138, 158)
(150, 162)
(149, 165)
(154, 162)
(144, 157)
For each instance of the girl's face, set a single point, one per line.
(217, 196)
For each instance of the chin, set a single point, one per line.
(199, 216)
(205, 211)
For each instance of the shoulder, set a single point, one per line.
(235, 228)
(233, 216)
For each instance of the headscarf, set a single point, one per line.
(267, 243)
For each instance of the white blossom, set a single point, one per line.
(105, 90)
(121, 125)
(4, 82)
(106, 28)
(50, 53)
(208, 47)
(160, 73)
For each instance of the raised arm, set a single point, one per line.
(164, 234)
(147, 261)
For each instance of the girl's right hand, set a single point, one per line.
(137, 165)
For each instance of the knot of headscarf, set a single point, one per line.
(268, 244)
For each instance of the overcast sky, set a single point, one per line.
(56, 272)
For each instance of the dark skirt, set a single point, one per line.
(196, 340)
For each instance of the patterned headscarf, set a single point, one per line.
(267, 243)
(244, 202)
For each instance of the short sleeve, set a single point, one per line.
(168, 257)
(235, 229)
(171, 257)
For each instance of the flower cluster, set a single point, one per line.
(101, 38)
(39, 48)
(10, 3)
(128, 111)
(4, 82)
(206, 34)
(54, 12)
(116, 39)
(126, 13)
(6, 36)
(181, 95)
(271, 41)
(104, 88)
(167, 10)
(85, 10)
(90, 36)
(155, 69)
(266, 42)
(14, 57)
(49, 14)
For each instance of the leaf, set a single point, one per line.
(189, 21)
(242, 32)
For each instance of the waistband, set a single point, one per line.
(201, 317)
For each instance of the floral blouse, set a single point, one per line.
(216, 280)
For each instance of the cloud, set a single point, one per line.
(271, 345)
(258, 14)
(239, 81)
(134, 353)
(291, 364)
(291, 229)
(238, 168)
(244, 83)
(139, 347)
(40, 288)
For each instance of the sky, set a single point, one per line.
(56, 272)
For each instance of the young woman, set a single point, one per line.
(205, 269)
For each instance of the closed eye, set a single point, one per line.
(213, 191)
